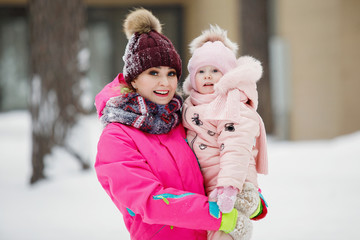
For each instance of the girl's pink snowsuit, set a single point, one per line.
(154, 180)
(228, 157)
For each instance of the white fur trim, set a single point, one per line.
(248, 70)
(243, 229)
(215, 33)
(187, 85)
(253, 63)
(247, 200)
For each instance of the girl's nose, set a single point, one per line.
(208, 76)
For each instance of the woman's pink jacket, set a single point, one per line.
(224, 129)
(154, 180)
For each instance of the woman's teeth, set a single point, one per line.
(161, 92)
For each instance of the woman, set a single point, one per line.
(143, 161)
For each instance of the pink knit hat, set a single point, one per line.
(211, 53)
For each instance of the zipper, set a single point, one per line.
(192, 143)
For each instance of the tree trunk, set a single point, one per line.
(255, 41)
(55, 30)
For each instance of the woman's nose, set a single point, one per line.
(164, 81)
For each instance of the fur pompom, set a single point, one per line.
(187, 86)
(253, 65)
(141, 21)
(215, 33)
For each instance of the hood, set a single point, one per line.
(112, 89)
(244, 77)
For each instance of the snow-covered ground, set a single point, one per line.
(312, 189)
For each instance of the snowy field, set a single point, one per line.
(313, 189)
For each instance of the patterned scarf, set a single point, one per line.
(133, 110)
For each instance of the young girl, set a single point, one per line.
(223, 128)
(143, 161)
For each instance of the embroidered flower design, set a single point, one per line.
(196, 120)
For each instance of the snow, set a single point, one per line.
(48, 110)
(312, 189)
(83, 58)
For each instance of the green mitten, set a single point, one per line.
(228, 221)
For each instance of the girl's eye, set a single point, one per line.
(201, 71)
(215, 70)
(153, 73)
(172, 73)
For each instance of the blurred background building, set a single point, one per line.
(310, 50)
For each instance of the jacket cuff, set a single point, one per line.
(228, 221)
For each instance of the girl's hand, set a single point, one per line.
(225, 197)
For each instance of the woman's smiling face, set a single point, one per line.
(157, 84)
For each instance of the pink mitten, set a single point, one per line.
(213, 195)
(226, 197)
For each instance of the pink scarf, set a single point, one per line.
(220, 107)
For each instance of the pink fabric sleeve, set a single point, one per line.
(130, 183)
(236, 143)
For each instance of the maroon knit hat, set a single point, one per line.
(147, 47)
